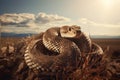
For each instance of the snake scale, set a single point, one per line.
(58, 49)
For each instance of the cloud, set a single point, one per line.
(46, 18)
(26, 22)
(13, 29)
(16, 19)
(31, 23)
(85, 21)
(95, 28)
(29, 20)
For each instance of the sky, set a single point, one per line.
(95, 17)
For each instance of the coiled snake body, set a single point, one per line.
(56, 51)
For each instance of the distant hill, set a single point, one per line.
(29, 34)
(104, 36)
(15, 35)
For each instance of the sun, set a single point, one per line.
(107, 3)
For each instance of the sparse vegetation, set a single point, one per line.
(95, 67)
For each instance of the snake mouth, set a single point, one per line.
(79, 33)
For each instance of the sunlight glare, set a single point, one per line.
(107, 3)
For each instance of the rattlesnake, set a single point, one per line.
(56, 52)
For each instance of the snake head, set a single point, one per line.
(70, 31)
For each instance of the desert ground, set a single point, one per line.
(11, 62)
(113, 44)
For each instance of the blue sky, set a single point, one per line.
(96, 17)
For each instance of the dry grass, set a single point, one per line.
(8, 40)
(95, 67)
(114, 44)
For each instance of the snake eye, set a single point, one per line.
(69, 29)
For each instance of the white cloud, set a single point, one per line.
(94, 28)
(46, 18)
(26, 22)
(13, 29)
(15, 19)
(27, 19)
(85, 21)
(30, 23)
(6, 30)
